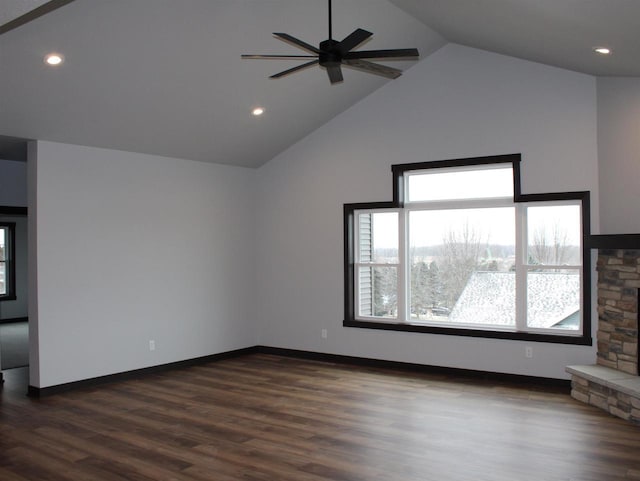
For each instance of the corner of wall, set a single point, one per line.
(32, 255)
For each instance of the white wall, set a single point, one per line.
(619, 154)
(459, 102)
(13, 183)
(132, 248)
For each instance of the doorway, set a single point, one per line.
(14, 330)
(14, 321)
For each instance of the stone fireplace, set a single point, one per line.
(613, 383)
(618, 284)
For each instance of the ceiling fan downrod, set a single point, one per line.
(330, 33)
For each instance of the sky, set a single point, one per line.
(490, 225)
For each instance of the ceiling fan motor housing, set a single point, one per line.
(330, 53)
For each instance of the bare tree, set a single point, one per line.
(460, 257)
(550, 246)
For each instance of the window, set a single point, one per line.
(7, 261)
(460, 251)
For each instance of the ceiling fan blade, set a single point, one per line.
(295, 69)
(276, 57)
(299, 43)
(43, 9)
(373, 68)
(354, 39)
(335, 74)
(395, 53)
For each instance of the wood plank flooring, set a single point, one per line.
(263, 417)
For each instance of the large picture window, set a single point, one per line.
(461, 251)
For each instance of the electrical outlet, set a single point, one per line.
(528, 352)
(152, 345)
(324, 334)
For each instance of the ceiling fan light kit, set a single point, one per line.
(333, 54)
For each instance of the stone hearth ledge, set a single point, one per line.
(611, 390)
(611, 378)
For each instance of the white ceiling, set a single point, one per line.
(165, 77)
(554, 32)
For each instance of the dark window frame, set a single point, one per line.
(10, 261)
(398, 172)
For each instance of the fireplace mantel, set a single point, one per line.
(614, 241)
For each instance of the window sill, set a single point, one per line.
(584, 340)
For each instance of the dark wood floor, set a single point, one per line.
(263, 417)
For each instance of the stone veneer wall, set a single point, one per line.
(618, 284)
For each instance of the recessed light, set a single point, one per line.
(602, 50)
(258, 111)
(54, 59)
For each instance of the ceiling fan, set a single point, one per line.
(332, 54)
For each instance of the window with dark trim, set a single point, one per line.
(7, 261)
(461, 251)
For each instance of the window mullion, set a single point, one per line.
(403, 271)
(521, 267)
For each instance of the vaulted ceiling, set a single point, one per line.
(165, 77)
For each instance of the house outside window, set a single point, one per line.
(460, 251)
(7, 261)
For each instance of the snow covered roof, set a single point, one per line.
(489, 298)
